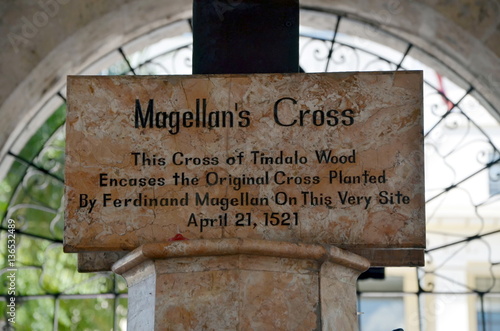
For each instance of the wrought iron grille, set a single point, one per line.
(462, 180)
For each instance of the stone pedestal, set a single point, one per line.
(241, 284)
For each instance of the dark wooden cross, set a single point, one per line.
(245, 36)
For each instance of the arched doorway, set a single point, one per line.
(459, 127)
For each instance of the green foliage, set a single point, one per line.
(48, 285)
(85, 314)
(33, 147)
(9, 184)
(39, 313)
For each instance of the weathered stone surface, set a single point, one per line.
(241, 284)
(370, 195)
(98, 261)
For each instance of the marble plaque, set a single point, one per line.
(333, 158)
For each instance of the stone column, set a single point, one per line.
(241, 284)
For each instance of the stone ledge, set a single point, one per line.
(236, 246)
